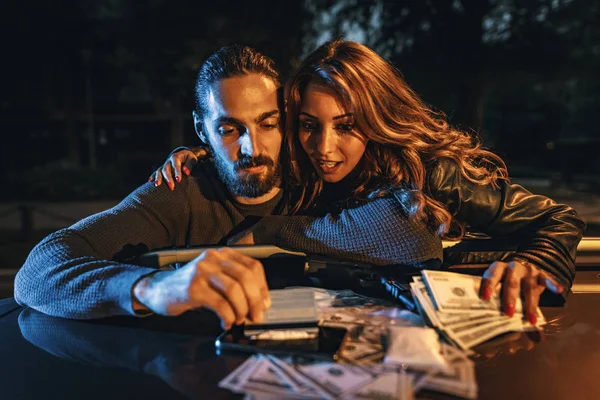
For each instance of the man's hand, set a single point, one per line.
(182, 161)
(518, 277)
(226, 281)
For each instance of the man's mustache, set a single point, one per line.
(250, 162)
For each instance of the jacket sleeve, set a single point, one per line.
(377, 232)
(547, 232)
(81, 271)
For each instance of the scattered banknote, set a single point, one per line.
(267, 377)
(450, 303)
(360, 371)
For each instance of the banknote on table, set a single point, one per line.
(293, 311)
(450, 302)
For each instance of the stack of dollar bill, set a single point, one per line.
(360, 371)
(450, 303)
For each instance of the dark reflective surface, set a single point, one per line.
(170, 358)
(561, 363)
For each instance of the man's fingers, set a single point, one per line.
(216, 302)
(249, 283)
(233, 292)
(257, 269)
(491, 279)
(511, 287)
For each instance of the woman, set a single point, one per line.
(356, 131)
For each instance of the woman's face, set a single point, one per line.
(327, 133)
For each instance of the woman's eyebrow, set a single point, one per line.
(344, 116)
(334, 118)
(307, 115)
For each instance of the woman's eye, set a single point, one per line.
(308, 126)
(345, 128)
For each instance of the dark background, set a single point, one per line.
(95, 93)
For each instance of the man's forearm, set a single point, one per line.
(58, 280)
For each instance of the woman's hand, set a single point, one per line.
(181, 161)
(518, 278)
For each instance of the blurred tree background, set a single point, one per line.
(97, 92)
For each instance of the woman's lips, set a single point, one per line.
(328, 167)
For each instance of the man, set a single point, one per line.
(83, 271)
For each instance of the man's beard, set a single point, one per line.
(249, 185)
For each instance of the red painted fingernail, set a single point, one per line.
(487, 293)
(560, 288)
(156, 183)
(149, 179)
(186, 170)
(532, 319)
(178, 179)
(510, 310)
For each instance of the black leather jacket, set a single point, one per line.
(546, 233)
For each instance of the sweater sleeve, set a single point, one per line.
(80, 272)
(377, 232)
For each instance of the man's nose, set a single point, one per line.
(249, 143)
(326, 141)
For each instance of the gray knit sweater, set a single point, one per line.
(82, 271)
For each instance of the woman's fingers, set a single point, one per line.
(511, 287)
(176, 168)
(168, 175)
(519, 280)
(158, 177)
(551, 284)
(491, 278)
(531, 294)
(189, 165)
(152, 177)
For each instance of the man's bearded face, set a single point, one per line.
(242, 127)
(241, 181)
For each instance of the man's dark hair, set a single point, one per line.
(230, 61)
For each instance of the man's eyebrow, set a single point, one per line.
(266, 115)
(229, 120)
(334, 118)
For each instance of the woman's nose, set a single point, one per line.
(326, 141)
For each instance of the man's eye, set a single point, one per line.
(226, 130)
(269, 126)
(345, 128)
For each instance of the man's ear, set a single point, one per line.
(199, 127)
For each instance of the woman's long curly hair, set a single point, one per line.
(404, 136)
